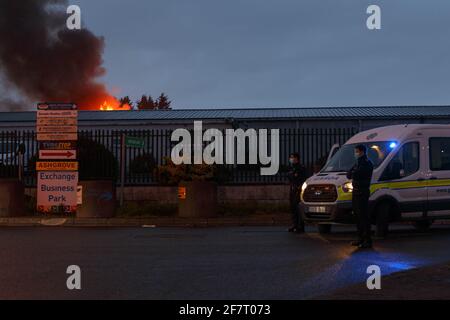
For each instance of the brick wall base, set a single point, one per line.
(234, 195)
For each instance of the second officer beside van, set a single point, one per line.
(361, 174)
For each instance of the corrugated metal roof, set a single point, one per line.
(252, 113)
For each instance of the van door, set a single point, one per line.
(404, 178)
(438, 175)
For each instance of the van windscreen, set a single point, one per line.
(344, 159)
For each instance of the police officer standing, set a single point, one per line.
(361, 175)
(297, 176)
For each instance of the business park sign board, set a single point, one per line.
(57, 168)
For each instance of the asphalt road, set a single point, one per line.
(212, 263)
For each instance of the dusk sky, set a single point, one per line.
(283, 53)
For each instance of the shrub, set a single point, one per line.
(171, 174)
(96, 161)
(143, 164)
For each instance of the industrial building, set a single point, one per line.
(359, 118)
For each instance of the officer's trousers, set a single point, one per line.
(360, 204)
(297, 219)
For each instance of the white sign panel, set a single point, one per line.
(57, 191)
(57, 114)
(57, 136)
(58, 129)
(57, 122)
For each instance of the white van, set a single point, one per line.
(410, 181)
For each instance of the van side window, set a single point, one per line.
(439, 154)
(404, 163)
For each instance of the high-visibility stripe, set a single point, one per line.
(345, 196)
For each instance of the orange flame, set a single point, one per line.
(113, 104)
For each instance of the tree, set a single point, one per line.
(163, 102)
(126, 101)
(140, 104)
(151, 104)
(146, 103)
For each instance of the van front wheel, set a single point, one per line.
(324, 228)
(382, 219)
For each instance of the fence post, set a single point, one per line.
(122, 167)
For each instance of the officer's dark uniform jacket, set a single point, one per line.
(361, 174)
(296, 176)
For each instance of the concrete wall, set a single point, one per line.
(231, 195)
(260, 194)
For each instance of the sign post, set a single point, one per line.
(131, 142)
(122, 167)
(57, 168)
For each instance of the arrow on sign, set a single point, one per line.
(66, 154)
(57, 154)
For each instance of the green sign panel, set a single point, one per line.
(134, 142)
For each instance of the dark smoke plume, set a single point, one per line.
(44, 60)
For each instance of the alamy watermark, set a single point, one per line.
(237, 147)
(374, 280)
(74, 280)
(373, 22)
(73, 22)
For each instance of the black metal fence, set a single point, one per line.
(99, 154)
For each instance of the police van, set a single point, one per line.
(410, 181)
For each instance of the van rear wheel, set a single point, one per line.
(382, 219)
(324, 228)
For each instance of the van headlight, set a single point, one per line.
(347, 187)
(304, 185)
